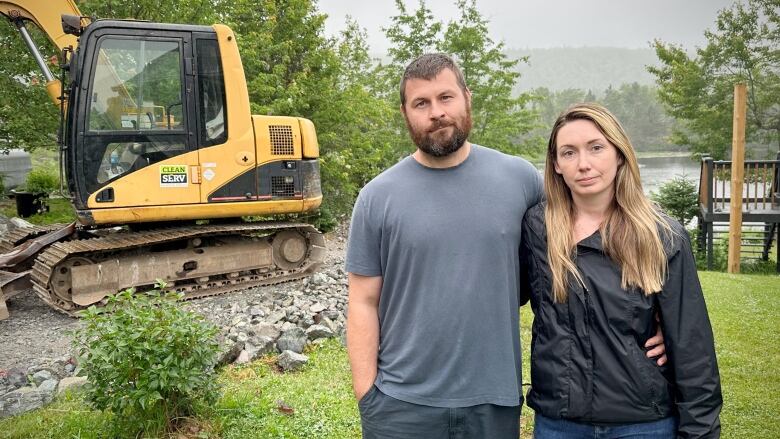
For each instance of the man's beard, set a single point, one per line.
(424, 138)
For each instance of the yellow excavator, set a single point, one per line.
(157, 138)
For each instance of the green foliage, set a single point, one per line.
(42, 181)
(641, 114)
(2, 185)
(28, 119)
(149, 362)
(679, 198)
(500, 119)
(636, 106)
(698, 91)
(183, 11)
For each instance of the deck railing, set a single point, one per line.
(759, 189)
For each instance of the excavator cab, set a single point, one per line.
(156, 119)
(142, 97)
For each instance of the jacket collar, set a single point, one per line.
(592, 242)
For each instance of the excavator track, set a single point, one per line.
(199, 261)
(20, 235)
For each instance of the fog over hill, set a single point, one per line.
(586, 68)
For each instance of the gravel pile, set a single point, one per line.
(37, 359)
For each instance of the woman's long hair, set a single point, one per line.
(630, 231)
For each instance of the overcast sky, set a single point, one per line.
(551, 23)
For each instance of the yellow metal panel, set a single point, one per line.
(311, 147)
(192, 211)
(279, 127)
(311, 203)
(222, 163)
(145, 187)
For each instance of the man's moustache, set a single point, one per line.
(439, 125)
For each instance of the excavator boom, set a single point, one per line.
(47, 16)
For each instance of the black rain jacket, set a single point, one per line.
(588, 361)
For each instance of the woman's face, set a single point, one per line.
(587, 162)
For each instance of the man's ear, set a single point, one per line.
(403, 109)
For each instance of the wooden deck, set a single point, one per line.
(760, 203)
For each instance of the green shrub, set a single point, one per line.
(679, 198)
(325, 220)
(42, 180)
(2, 185)
(148, 361)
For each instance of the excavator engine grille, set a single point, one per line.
(281, 139)
(282, 186)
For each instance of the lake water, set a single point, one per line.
(657, 170)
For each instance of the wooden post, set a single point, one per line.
(737, 176)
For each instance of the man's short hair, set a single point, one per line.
(427, 67)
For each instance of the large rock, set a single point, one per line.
(265, 330)
(229, 350)
(18, 223)
(319, 331)
(41, 376)
(317, 308)
(23, 400)
(48, 386)
(319, 279)
(289, 361)
(259, 346)
(16, 378)
(243, 357)
(294, 339)
(71, 383)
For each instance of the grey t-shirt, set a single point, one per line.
(446, 243)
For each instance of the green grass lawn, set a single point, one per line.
(60, 211)
(744, 310)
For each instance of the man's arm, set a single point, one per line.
(363, 330)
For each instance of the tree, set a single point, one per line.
(34, 124)
(698, 90)
(679, 198)
(500, 119)
(183, 11)
(358, 139)
(641, 114)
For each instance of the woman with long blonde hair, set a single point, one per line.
(604, 267)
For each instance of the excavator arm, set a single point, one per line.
(47, 16)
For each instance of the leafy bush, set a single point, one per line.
(149, 362)
(2, 185)
(679, 198)
(42, 180)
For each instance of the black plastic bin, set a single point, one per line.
(28, 203)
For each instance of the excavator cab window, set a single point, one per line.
(135, 109)
(212, 110)
(137, 86)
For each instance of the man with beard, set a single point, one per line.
(433, 324)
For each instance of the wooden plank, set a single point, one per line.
(737, 175)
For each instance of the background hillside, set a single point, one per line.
(586, 68)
